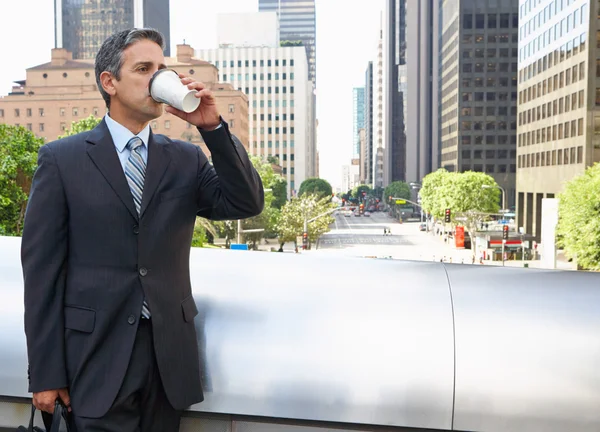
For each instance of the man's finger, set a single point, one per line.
(65, 398)
(196, 86)
(178, 113)
(206, 93)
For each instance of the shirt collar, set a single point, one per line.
(121, 135)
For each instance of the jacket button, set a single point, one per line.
(143, 271)
(131, 319)
(136, 229)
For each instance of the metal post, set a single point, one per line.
(503, 242)
(239, 231)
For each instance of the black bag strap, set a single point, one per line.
(51, 420)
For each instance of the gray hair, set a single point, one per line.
(110, 55)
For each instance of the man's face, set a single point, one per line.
(140, 61)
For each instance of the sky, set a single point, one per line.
(344, 46)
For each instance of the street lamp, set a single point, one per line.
(503, 193)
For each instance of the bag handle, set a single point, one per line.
(60, 413)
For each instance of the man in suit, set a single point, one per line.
(109, 312)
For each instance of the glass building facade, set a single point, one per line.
(81, 26)
(297, 22)
(559, 101)
(358, 117)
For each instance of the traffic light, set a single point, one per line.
(304, 240)
(505, 232)
(447, 216)
(390, 198)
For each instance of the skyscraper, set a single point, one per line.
(479, 55)
(358, 117)
(369, 101)
(297, 22)
(81, 26)
(559, 101)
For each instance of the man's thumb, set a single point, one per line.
(65, 398)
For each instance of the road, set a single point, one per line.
(363, 236)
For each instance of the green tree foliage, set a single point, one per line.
(397, 189)
(18, 162)
(201, 227)
(291, 222)
(463, 193)
(579, 219)
(357, 191)
(317, 186)
(82, 125)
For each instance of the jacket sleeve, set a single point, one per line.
(231, 189)
(43, 256)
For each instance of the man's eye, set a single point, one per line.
(143, 69)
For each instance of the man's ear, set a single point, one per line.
(107, 81)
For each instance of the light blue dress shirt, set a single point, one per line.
(121, 136)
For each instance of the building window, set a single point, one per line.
(17, 112)
(75, 112)
(63, 127)
(62, 112)
(232, 123)
(29, 126)
(41, 127)
(231, 108)
(579, 154)
(167, 124)
(95, 111)
(28, 111)
(1, 113)
(41, 112)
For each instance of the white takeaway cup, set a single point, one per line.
(165, 86)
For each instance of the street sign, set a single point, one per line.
(236, 246)
(400, 201)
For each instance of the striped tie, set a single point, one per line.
(135, 172)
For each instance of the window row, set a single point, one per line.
(261, 76)
(270, 130)
(568, 156)
(490, 53)
(558, 81)
(490, 168)
(488, 96)
(467, 125)
(481, 67)
(42, 112)
(488, 139)
(491, 38)
(284, 144)
(255, 63)
(270, 117)
(489, 154)
(490, 21)
(568, 129)
(270, 104)
(479, 111)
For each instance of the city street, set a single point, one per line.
(363, 236)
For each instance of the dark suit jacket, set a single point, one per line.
(88, 259)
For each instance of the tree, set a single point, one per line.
(579, 219)
(397, 189)
(317, 186)
(462, 193)
(293, 214)
(357, 191)
(18, 162)
(201, 228)
(82, 125)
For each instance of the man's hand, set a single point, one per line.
(206, 115)
(44, 401)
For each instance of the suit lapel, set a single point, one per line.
(103, 153)
(158, 161)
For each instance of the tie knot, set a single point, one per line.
(134, 143)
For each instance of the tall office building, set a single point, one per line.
(281, 111)
(478, 57)
(80, 26)
(297, 22)
(418, 85)
(394, 94)
(559, 101)
(368, 140)
(358, 118)
(381, 169)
